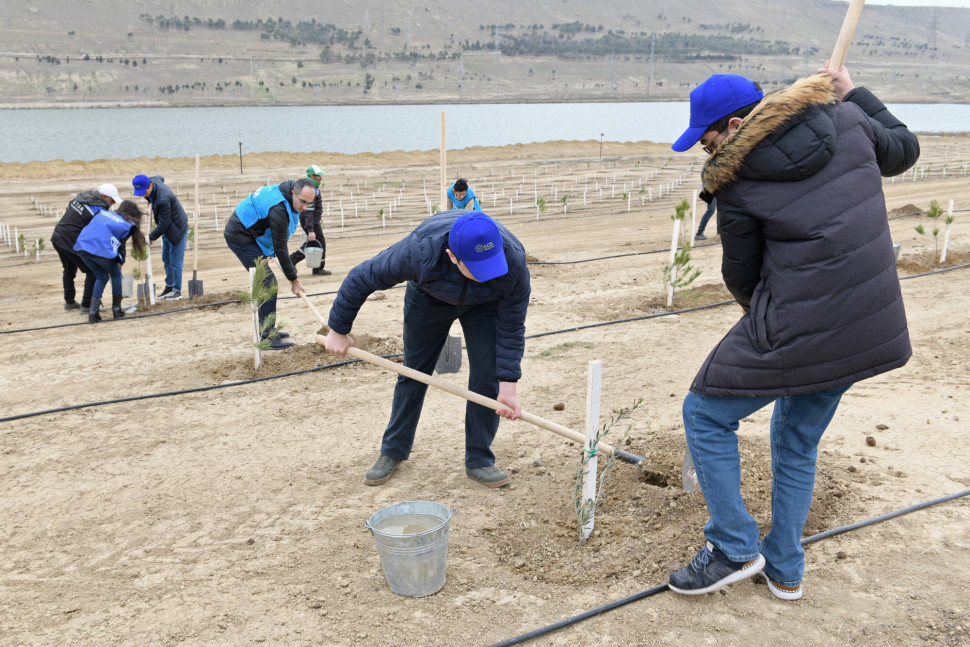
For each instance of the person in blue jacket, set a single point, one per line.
(459, 265)
(460, 196)
(101, 246)
(259, 227)
(171, 225)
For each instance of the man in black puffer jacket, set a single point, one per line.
(808, 256)
(76, 217)
(462, 266)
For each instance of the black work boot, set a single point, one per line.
(319, 271)
(116, 306)
(94, 312)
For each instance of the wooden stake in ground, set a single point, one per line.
(257, 335)
(195, 285)
(150, 283)
(444, 166)
(594, 387)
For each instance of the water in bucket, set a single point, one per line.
(412, 543)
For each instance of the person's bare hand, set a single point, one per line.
(840, 79)
(296, 286)
(506, 395)
(337, 344)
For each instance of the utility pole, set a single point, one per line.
(252, 81)
(240, 158)
(601, 145)
(613, 75)
(653, 41)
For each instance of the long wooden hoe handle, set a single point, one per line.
(477, 398)
(845, 35)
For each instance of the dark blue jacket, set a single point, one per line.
(421, 259)
(170, 218)
(76, 218)
(806, 245)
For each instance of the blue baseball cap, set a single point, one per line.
(715, 99)
(476, 241)
(140, 182)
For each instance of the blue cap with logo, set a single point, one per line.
(476, 241)
(715, 99)
(140, 182)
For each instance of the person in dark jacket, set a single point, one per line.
(460, 196)
(311, 220)
(461, 266)
(259, 227)
(75, 218)
(101, 245)
(171, 225)
(808, 256)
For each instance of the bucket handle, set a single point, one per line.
(453, 512)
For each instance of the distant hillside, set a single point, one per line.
(206, 52)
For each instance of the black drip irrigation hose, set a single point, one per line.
(198, 389)
(317, 368)
(663, 587)
(154, 314)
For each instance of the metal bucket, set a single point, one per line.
(412, 542)
(127, 286)
(896, 248)
(314, 254)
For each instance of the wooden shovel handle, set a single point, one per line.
(845, 35)
(312, 307)
(477, 398)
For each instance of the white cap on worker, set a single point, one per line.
(111, 191)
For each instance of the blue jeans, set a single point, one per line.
(707, 216)
(248, 253)
(797, 425)
(172, 258)
(426, 324)
(103, 268)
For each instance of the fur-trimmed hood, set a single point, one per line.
(787, 149)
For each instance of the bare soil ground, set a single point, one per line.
(235, 516)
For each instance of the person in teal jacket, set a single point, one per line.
(101, 245)
(260, 226)
(462, 197)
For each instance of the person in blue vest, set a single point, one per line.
(101, 246)
(459, 265)
(171, 225)
(462, 197)
(259, 227)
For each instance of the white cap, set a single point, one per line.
(111, 191)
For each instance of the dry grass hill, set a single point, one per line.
(217, 52)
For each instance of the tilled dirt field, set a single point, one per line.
(235, 515)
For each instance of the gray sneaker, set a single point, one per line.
(488, 475)
(380, 472)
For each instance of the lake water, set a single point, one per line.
(93, 133)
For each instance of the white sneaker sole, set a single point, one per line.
(750, 569)
(780, 593)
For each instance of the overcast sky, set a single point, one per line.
(923, 3)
